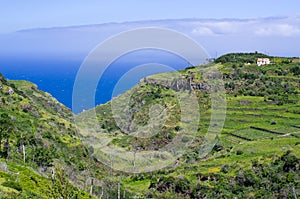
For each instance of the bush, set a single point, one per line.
(182, 185)
(225, 168)
(185, 139)
(218, 147)
(13, 185)
(273, 122)
(178, 128)
(164, 184)
(81, 166)
(291, 162)
(190, 67)
(295, 70)
(239, 152)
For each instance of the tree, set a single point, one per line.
(295, 70)
(61, 187)
(43, 156)
(5, 127)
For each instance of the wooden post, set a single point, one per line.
(111, 165)
(134, 155)
(91, 188)
(101, 193)
(24, 153)
(52, 175)
(294, 192)
(119, 195)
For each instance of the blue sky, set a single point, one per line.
(268, 26)
(16, 14)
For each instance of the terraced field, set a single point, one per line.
(252, 118)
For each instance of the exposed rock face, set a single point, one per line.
(211, 80)
(200, 86)
(181, 84)
(178, 84)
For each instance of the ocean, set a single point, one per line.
(56, 75)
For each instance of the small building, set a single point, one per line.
(263, 61)
(9, 91)
(210, 60)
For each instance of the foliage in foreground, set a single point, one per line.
(279, 179)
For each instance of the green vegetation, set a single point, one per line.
(37, 135)
(241, 58)
(255, 156)
(262, 125)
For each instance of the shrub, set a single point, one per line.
(239, 152)
(182, 185)
(273, 122)
(178, 128)
(225, 168)
(190, 67)
(13, 185)
(218, 147)
(164, 184)
(185, 139)
(295, 70)
(290, 162)
(81, 166)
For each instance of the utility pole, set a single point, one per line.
(111, 164)
(91, 188)
(119, 195)
(52, 176)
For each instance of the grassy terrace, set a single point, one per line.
(258, 113)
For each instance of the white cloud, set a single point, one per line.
(202, 31)
(225, 35)
(217, 27)
(284, 27)
(225, 27)
(285, 30)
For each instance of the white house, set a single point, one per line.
(263, 61)
(9, 91)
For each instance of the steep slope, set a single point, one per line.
(37, 136)
(261, 131)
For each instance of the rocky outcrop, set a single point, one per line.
(178, 84)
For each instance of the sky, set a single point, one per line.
(17, 14)
(221, 26)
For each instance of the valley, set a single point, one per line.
(225, 129)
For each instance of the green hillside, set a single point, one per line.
(261, 128)
(37, 135)
(256, 154)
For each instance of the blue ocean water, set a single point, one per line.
(56, 75)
